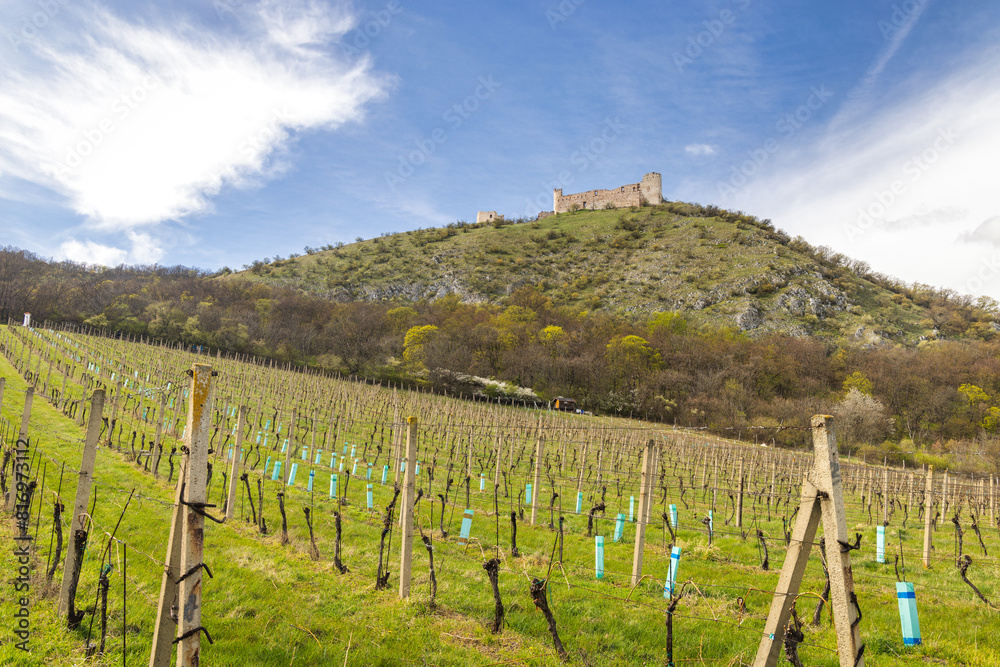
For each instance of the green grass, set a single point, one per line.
(270, 604)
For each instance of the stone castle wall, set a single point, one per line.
(647, 191)
(487, 216)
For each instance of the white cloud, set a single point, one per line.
(145, 249)
(302, 26)
(898, 187)
(89, 252)
(988, 232)
(136, 124)
(699, 149)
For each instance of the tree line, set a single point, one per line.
(935, 402)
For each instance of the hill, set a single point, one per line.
(690, 315)
(710, 265)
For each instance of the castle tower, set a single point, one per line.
(651, 188)
(556, 196)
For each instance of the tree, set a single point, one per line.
(401, 317)
(552, 335)
(973, 395)
(530, 298)
(357, 334)
(991, 420)
(413, 344)
(861, 418)
(632, 357)
(858, 381)
(667, 323)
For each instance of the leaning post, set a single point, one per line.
(233, 481)
(83, 484)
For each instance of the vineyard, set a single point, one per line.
(538, 537)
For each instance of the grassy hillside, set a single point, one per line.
(711, 265)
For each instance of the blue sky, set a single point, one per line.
(217, 132)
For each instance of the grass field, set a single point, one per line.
(272, 604)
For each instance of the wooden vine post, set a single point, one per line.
(928, 515)
(22, 435)
(287, 470)
(885, 495)
(406, 509)
(164, 629)
(739, 499)
(645, 501)
(822, 500)
(233, 477)
(78, 518)
(537, 484)
(496, 477)
(158, 433)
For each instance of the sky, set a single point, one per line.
(213, 133)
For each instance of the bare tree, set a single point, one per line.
(357, 334)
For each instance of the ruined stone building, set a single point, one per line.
(488, 216)
(648, 191)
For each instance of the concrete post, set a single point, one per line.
(193, 527)
(822, 499)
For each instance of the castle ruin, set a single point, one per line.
(488, 216)
(648, 191)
